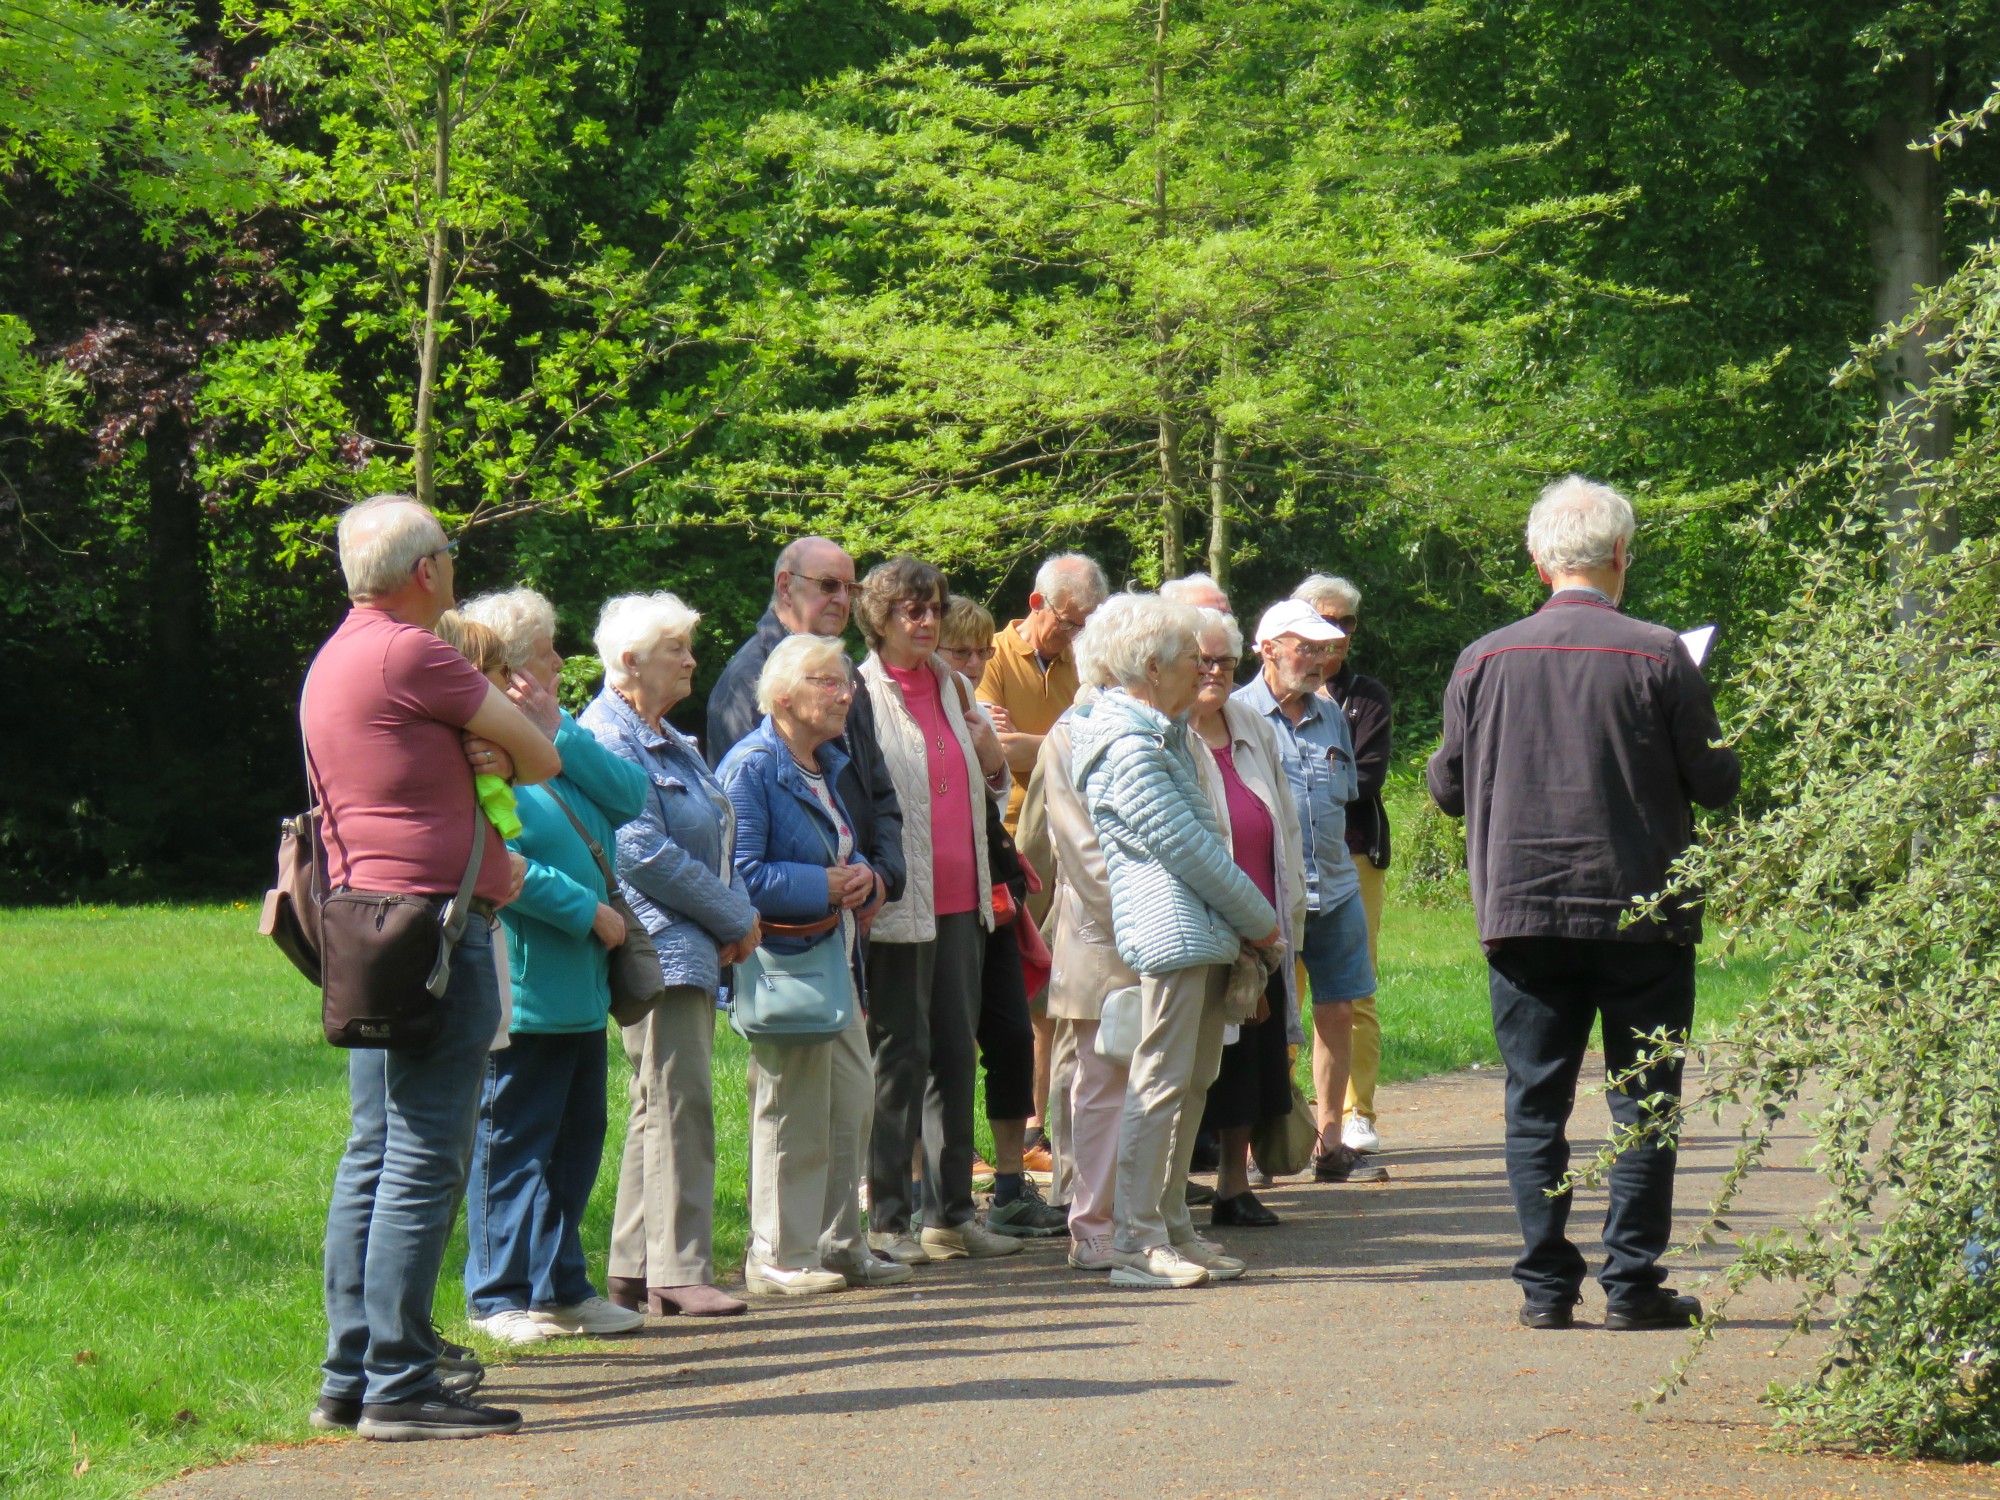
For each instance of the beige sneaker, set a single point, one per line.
(902, 1248)
(1160, 1268)
(970, 1240)
(1092, 1253)
(869, 1269)
(780, 1281)
(1211, 1257)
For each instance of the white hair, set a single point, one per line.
(792, 661)
(1191, 589)
(1326, 590)
(1131, 632)
(522, 619)
(640, 624)
(381, 540)
(1577, 524)
(1211, 621)
(1071, 578)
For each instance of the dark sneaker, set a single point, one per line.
(1344, 1164)
(1028, 1217)
(334, 1414)
(1663, 1309)
(435, 1414)
(458, 1368)
(1199, 1195)
(1548, 1315)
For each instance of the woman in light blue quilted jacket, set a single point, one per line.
(1181, 911)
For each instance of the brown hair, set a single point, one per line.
(891, 583)
(966, 624)
(479, 644)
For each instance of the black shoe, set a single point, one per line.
(1241, 1212)
(334, 1414)
(1663, 1309)
(1548, 1315)
(1345, 1164)
(1207, 1152)
(435, 1414)
(458, 1368)
(1199, 1196)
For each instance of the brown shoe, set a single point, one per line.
(627, 1291)
(1037, 1159)
(700, 1301)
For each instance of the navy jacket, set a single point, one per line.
(1574, 742)
(865, 788)
(784, 839)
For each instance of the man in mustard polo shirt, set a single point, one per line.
(1027, 685)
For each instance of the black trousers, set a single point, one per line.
(1006, 1035)
(923, 1009)
(1546, 992)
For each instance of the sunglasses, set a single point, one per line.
(828, 586)
(1345, 622)
(916, 611)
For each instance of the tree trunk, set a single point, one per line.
(1173, 553)
(1173, 550)
(1907, 244)
(438, 249)
(1218, 509)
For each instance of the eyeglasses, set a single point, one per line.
(916, 611)
(1220, 663)
(1071, 629)
(834, 687)
(980, 654)
(1345, 622)
(449, 549)
(828, 586)
(1299, 647)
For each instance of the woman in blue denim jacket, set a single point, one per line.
(674, 867)
(811, 1103)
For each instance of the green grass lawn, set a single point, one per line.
(172, 1123)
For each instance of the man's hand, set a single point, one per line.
(536, 701)
(986, 745)
(517, 876)
(485, 757)
(609, 925)
(1002, 720)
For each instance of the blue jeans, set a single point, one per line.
(397, 1190)
(541, 1137)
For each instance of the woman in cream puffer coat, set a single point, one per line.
(1181, 911)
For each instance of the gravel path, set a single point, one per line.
(1371, 1352)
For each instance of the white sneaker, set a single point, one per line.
(1211, 1257)
(1360, 1134)
(1163, 1266)
(593, 1315)
(870, 1269)
(781, 1281)
(513, 1325)
(899, 1247)
(1092, 1253)
(970, 1240)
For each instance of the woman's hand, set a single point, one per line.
(860, 880)
(1270, 940)
(537, 702)
(609, 925)
(986, 745)
(1263, 1011)
(485, 757)
(517, 876)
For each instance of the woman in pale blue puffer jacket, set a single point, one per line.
(1181, 910)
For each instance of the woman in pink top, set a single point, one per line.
(1254, 1083)
(925, 951)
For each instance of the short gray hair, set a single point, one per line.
(639, 623)
(1327, 590)
(381, 539)
(1210, 620)
(792, 661)
(1131, 632)
(1179, 590)
(520, 617)
(1071, 578)
(1577, 524)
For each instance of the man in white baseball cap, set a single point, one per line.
(1318, 752)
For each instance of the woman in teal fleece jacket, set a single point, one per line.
(542, 1114)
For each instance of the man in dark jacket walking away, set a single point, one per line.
(1574, 742)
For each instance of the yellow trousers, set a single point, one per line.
(1367, 1063)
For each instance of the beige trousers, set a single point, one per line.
(1366, 1065)
(1059, 1121)
(1097, 1105)
(811, 1108)
(663, 1228)
(1179, 1053)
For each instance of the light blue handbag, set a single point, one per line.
(795, 999)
